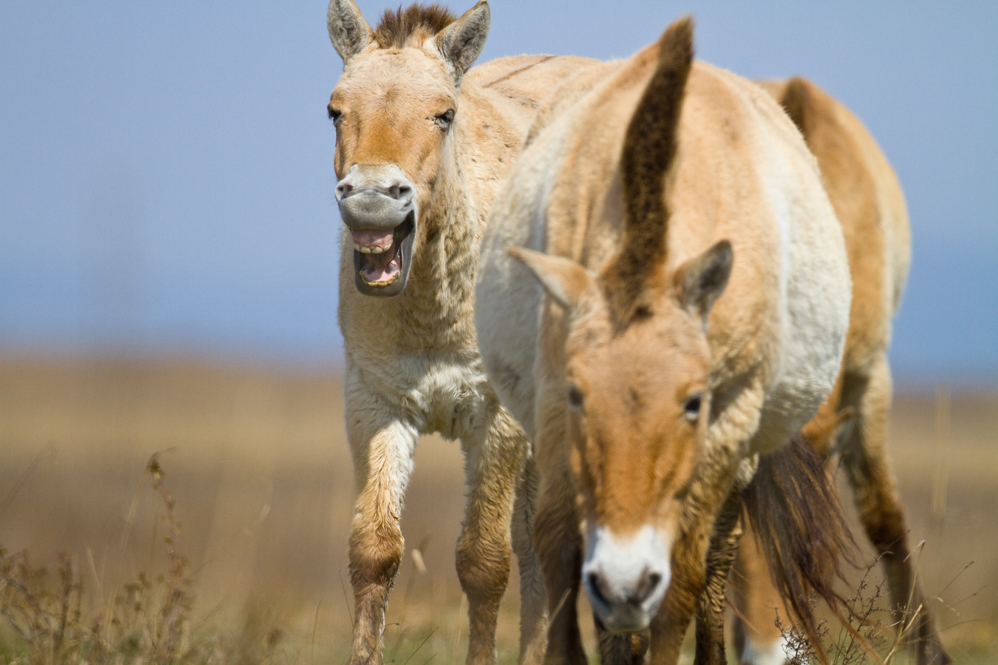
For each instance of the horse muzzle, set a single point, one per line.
(626, 577)
(378, 205)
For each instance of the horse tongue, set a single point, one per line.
(386, 272)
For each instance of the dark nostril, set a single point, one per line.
(596, 588)
(344, 188)
(647, 584)
(397, 190)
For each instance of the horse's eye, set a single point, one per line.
(334, 115)
(575, 398)
(444, 119)
(692, 407)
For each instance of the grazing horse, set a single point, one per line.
(692, 315)
(422, 145)
(870, 205)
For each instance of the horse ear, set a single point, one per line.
(702, 280)
(348, 30)
(563, 279)
(461, 42)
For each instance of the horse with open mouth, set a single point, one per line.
(422, 144)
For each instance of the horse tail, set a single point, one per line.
(795, 513)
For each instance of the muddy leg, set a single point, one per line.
(493, 466)
(864, 458)
(690, 570)
(710, 605)
(382, 452)
(533, 599)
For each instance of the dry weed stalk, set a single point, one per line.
(871, 636)
(147, 622)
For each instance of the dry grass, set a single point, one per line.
(257, 463)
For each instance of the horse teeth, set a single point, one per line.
(371, 249)
(382, 282)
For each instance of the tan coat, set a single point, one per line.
(423, 144)
(647, 401)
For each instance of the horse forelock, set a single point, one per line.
(415, 22)
(648, 152)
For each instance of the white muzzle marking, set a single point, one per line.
(626, 577)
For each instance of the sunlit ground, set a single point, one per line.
(258, 466)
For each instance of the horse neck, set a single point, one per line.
(439, 298)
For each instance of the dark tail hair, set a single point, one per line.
(796, 515)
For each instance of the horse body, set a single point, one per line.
(869, 203)
(610, 367)
(557, 178)
(423, 143)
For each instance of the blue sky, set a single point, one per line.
(166, 179)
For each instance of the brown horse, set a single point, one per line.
(422, 144)
(692, 319)
(869, 203)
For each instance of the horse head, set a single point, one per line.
(394, 109)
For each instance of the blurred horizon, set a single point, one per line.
(166, 171)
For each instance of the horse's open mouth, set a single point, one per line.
(381, 258)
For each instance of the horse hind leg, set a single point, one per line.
(493, 466)
(864, 458)
(759, 640)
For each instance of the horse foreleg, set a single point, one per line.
(864, 457)
(712, 505)
(533, 598)
(493, 465)
(382, 455)
(559, 546)
(710, 606)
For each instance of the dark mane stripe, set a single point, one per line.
(398, 26)
(649, 147)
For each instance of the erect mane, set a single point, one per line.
(415, 21)
(649, 148)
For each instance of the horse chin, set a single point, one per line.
(404, 234)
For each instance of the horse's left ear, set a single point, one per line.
(461, 42)
(702, 280)
(563, 279)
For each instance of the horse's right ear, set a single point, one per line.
(348, 30)
(563, 279)
(702, 279)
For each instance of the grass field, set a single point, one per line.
(260, 472)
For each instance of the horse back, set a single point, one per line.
(870, 205)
